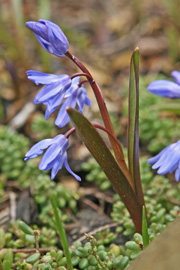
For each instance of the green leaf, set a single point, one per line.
(133, 125)
(25, 228)
(61, 232)
(170, 107)
(104, 157)
(33, 258)
(145, 234)
(8, 260)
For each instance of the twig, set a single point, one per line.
(102, 228)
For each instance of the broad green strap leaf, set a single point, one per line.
(103, 156)
(133, 125)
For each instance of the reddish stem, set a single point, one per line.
(105, 116)
(81, 74)
(69, 132)
(84, 81)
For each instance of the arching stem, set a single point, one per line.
(105, 116)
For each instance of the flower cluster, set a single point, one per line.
(59, 91)
(168, 160)
(56, 90)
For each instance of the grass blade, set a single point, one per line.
(61, 232)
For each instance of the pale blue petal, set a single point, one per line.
(165, 88)
(168, 160)
(176, 75)
(63, 117)
(60, 144)
(171, 158)
(71, 89)
(38, 148)
(49, 157)
(76, 80)
(177, 173)
(48, 92)
(53, 104)
(44, 78)
(38, 29)
(57, 38)
(48, 46)
(156, 158)
(69, 169)
(57, 165)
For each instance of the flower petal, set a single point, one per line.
(57, 38)
(38, 149)
(63, 117)
(168, 160)
(42, 78)
(176, 75)
(57, 165)
(69, 169)
(60, 144)
(177, 173)
(53, 104)
(164, 88)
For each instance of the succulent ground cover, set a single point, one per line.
(100, 232)
(110, 237)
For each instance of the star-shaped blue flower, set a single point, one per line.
(165, 88)
(54, 157)
(168, 160)
(50, 36)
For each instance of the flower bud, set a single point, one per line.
(50, 36)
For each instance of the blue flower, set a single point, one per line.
(50, 36)
(53, 93)
(76, 95)
(165, 88)
(59, 87)
(54, 157)
(168, 160)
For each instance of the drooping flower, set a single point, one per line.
(50, 36)
(168, 160)
(59, 87)
(165, 88)
(76, 95)
(54, 157)
(53, 93)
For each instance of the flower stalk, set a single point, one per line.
(105, 116)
